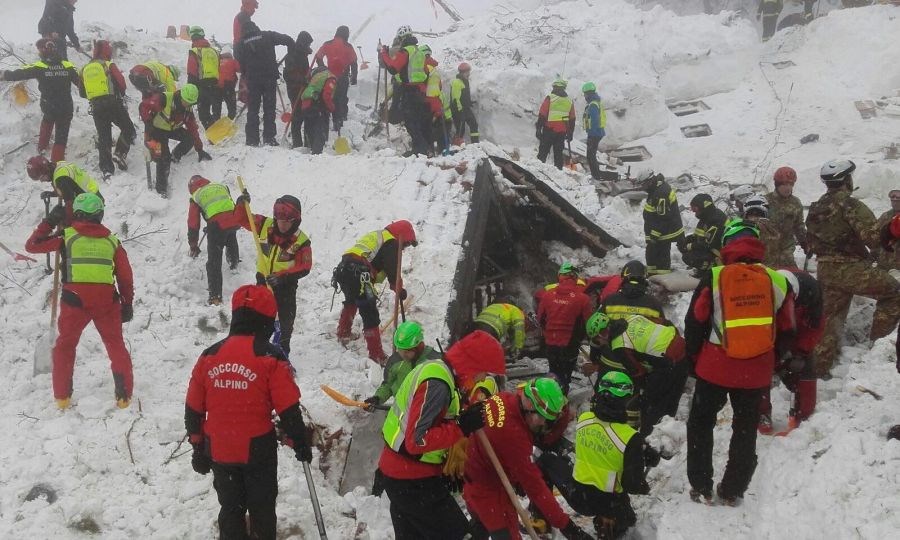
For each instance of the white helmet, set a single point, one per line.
(836, 169)
(404, 31)
(645, 175)
(742, 193)
(756, 204)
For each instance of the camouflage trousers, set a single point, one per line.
(780, 259)
(841, 281)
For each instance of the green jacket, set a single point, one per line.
(396, 369)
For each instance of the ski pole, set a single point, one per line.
(398, 282)
(47, 215)
(320, 523)
(489, 450)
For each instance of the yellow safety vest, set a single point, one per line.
(560, 107)
(505, 319)
(213, 199)
(415, 65)
(433, 88)
(368, 247)
(89, 259)
(83, 180)
(163, 119)
(208, 62)
(96, 79)
(586, 116)
(162, 74)
(274, 258)
(600, 452)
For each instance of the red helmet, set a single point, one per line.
(464, 67)
(196, 182)
(256, 298)
(102, 50)
(39, 168)
(785, 175)
(288, 207)
(403, 230)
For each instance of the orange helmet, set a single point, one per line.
(785, 175)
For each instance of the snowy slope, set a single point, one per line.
(832, 478)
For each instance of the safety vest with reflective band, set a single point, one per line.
(642, 336)
(396, 424)
(623, 311)
(560, 107)
(745, 300)
(445, 105)
(77, 174)
(579, 282)
(316, 84)
(90, 259)
(367, 248)
(456, 89)
(163, 119)
(274, 258)
(433, 88)
(505, 319)
(600, 452)
(415, 65)
(162, 74)
(661, 209)
(96, 79)
(207, 61)
(213, 199)
(65, 63)
(586, 116)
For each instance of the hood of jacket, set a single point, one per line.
(477, 352)
(746, 250)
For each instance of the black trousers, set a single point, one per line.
(341, 102)
(562, 361)
(109, 111)
(658, 255)
(247, 488)
(592, 144)
(294, 91)
(228, 96)
(261, 92)
(209, 96)
(555, 141)
(286, 298)
(661, 392)
(417, 118)
(466, 118)
(424, 508)
(348, 275)
(164, 162)
(218, 240)
(770, 22)
(708, 401)
(315, 127)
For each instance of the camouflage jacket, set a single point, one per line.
(840, 227)
(886, 259)
(786, 215)
(773, 238)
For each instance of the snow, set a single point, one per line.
(834, 477)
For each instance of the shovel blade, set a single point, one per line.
(20, 95)
(221, 129)
(286, 117)
(43, 354)
(341, 146)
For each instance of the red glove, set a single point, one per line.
(155, 149)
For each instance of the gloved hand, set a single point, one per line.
(372, 401)
(194, 251)
(574, 532)
(454, 484)
(402, 294)
(887, 239)
(155, 149)
(57, 215)
(273, 280)
(471, 419)
(200, 462)
(651, 456)
(353, 81)
(244, 197)
(455, 464)
(47, 195)
(127, 312)
(539, 133)
(203, 155)
(303, 451)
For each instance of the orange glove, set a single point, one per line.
(155, 149)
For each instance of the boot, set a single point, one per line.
(345, 323)
(162, 178)
(58, 153)
(373, 343)
(765, 424)
(805, 398)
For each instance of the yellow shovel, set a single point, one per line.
(223, 128)
(20, 94)
(341, 145)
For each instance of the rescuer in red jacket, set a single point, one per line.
(512, 423)
(212, 202)
(341, 62)
(234, 387)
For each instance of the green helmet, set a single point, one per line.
(596, 324)
(196, 31)
(566, 268)
(738, 228)
(88, 204)
(560, 83)
(408, 335)
(425, 49)
(546, 396)
(588, 87)
(616, 383)
(176, 73)
(190, 94)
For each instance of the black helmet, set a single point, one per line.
(342, 32)
(701, 201)
(303, 38)
(634, 269)
(634, 278)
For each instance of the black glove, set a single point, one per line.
(244, 197)
(574, 532)
(651, 456)
(569, 136)
(372, 401)
(471, 419)
(539, 133)
(194, 251)
(47, 195)
(303, 451)
(57, 215)
(200, 462)
(402, 294)
(203, 155)
(127, 312)
(273, 280)
(887, 239)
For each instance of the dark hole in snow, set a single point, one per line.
(812, 137)
(41, 491)
(86, 524)
(784, 64)
(630, 154)
(684, 108)
(699, 130)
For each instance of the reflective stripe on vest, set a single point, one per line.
(65, 63)
(586, 116)
(415, 65)
(623, 312)
(779, 291)
(162, 74)
(208, 62)
(89, 259)
(433, 89)
(645, 336)
(368, 246)
(314, 89)
(213, 199)
(396, 425)
(274, 258)
(96, 79)
(163, 119)
(560, 107)
(64, 169)
(505, 319)
(600, 452)
(456, 89)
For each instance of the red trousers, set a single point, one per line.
(107, 319)
(492, 508)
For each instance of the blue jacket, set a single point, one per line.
(593, 117)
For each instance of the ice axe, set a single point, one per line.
(16, 256)
(363, 64)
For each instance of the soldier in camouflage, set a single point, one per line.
(889, 260)
(786, 216)
(841, 230)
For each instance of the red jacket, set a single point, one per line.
(326, 97)
(512, 442)
(235, 386)
(302, 257)
(427, 429)
(557, 126)
(397, 63)
(339, 56)
(808, 311)
(712, 364)
(193, 63)
(242, 17)
(228, 70)
(225, 220)
(42, 240)
(155, 103)
(563, 311)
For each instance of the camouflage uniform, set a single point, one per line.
(839, 229)
(786, 217)
(887, 260)
(771, 237)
